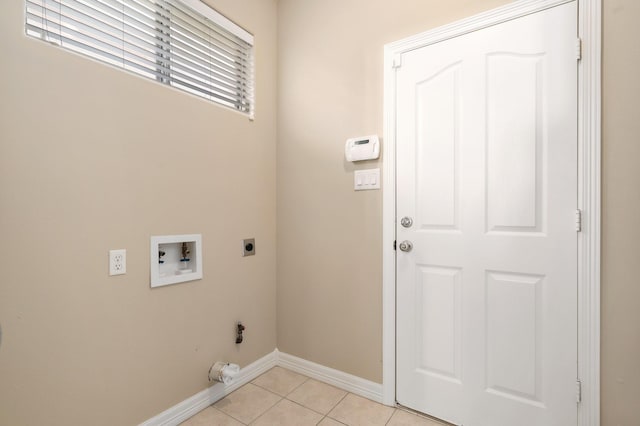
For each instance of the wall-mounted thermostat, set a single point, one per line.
(362, 148)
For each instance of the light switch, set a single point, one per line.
(366, 179)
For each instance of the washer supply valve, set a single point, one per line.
(240, 329)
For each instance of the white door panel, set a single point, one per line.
(487, 169)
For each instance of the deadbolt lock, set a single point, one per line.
(406, 222)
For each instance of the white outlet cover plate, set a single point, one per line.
(117, 262)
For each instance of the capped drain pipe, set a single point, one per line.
(223, 372)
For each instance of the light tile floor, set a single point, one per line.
(282, 397)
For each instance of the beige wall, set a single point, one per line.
(330, 237)
(621, 210)
(93, 159)
(101, 162)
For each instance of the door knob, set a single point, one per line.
(406, 222)
(406, 245)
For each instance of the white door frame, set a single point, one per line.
(589, 192)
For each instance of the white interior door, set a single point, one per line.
(487, 171)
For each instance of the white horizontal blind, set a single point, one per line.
(164, 40)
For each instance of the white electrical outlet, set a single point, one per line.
(117, 262)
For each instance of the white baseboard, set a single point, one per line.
(198, 402)
(337, 378)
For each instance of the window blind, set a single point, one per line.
(183, 44)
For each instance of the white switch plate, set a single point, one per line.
(366, 179)
(117, 262)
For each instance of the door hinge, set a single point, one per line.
(578, 391)
(579, 49)
(394, 244)
(578, 220)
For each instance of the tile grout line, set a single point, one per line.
(260, 415)
(281, 398)
(265, 411)
(304, 406)
(269, 390)
(274, 393)
(315, 411)
(230, 415)
(324, 416)
(393, 413)
(334, 407)
(303, 382)
(227, 414)
(390, 417)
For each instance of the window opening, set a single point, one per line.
(182, 44)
